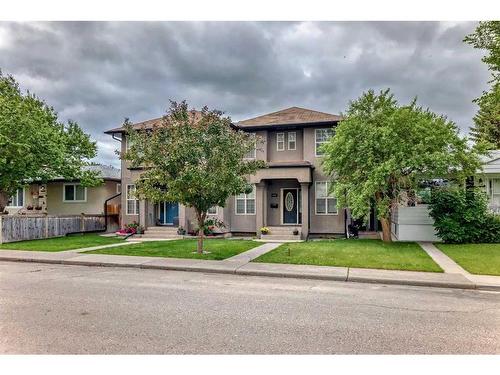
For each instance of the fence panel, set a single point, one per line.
(22, 227)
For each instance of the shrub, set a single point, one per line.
(264, 230)
(462, 216)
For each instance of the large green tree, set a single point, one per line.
(381, 151)
(194, 158)
(487, 121)
(35, 145)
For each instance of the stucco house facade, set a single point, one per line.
(489, 179)
(290, 195)
(60, 197)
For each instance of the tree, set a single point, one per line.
(194, 158)
(381, 151)
(35, 145)
(487, 121)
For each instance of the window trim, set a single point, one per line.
(278, 141)
(136, 206)
(74, 184)
(17, 200)
(118, 188)
(245, 199)
(326, 213)
(316, 140)
(294, 141)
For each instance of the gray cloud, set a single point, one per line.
(98, 73)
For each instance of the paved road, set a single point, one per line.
(74, 309)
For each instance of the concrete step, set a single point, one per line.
(160, 235)
(278, 237)
(283, 230)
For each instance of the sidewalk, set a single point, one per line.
(241, 265)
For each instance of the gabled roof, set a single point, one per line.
(290, 116)
(491, 162)
(149, 124)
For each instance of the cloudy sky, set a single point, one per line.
(99, 73)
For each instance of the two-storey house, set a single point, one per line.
(290, 195)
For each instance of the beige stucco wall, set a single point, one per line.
(94, 205)
(287, 155)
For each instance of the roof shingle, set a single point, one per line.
(290, 116)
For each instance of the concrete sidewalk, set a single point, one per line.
(242, 266)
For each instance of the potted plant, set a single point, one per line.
(29, 208)
(264, 230)
(38, 208)
(181, 231)
(295, 232)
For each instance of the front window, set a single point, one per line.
(212, 210)
(251, 153)
(17, 200)
(132, 202)
(245, 203)
(74, 193)
(321, 137)
(292, 140)
(280, 141)
(326, 203)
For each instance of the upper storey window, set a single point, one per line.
(283, 138)
(252, 153)
(320, 137)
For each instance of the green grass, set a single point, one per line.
(480, 258)
(62, 243)
(219, 249)
(354, 253)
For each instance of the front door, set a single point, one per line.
(168, 213)
(290, 206)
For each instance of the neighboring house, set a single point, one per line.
(489, 179)
(62, 197)
(292, 193)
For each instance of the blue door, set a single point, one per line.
(168, 213)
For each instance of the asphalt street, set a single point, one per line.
(59, 309)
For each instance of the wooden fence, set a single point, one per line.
(26, 227)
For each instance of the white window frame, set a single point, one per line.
(294, 140)
(118, 188)
(327, 198)
(254, 154)
(16, 197)
(213, 213)
(245, 198)
(74, 184)
(493, 192)
(316, 142)
(127, 199)
(282, 141)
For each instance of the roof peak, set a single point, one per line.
(290, 115)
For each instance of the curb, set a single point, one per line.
(454, 281)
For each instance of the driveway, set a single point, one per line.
(75, 309)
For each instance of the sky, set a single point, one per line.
(98, 73)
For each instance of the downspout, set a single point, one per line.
(105, 219)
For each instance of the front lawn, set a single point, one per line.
(354, 253)
(219, 249)
(478, 258)
(79, 241)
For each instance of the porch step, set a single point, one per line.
(159, 232)
(280, 237)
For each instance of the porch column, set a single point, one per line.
(183, 217)
(260, 206)
(304, 186)
(143, 213)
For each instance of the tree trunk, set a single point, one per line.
(4, 199)
(201, 231)
(386, 229)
